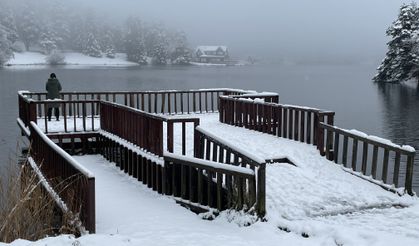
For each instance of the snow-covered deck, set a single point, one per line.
(130, 213)
(316, 197)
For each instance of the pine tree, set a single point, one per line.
(28, 26)
(49, 40)
(134, 42)
(160, 50)
(107, 43)
(181, 54)
(7, 22)
(92, 46)
(402, 58)
(5, 50)
(60, 19)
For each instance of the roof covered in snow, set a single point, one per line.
(204, 48)
(211, 51)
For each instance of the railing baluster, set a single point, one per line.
(302, 126)
(183, 138)
(409, 174)
(309, 125)
(219, 191)
(374, 162)
(336, 148)
(354, 153)
(364, 157)
(345, 151)
(396, 169)
(296, 125)
(163, 103)
(385, 165)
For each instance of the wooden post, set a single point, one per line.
(396, 169)
(385, 165)
(32, 112)
(330, 123)
(91, 206)
(354, 153)
(261, 190)
(409, 174)
(364, 157)
(170, 136)
(320, 134)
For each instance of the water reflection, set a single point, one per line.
(401, 117)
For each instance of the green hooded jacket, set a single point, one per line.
(53, 88)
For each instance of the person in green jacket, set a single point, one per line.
(53, 88)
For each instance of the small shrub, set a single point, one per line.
(55, 58)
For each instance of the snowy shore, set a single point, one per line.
(71, 58)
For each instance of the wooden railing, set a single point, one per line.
(208, 183)
(287, 121)
(162, 102)
(377, 165)
(200, 183)
(74, 184)
(76, 115)
(138, 163)
(268, 97)
(249, 191)
(27, 109)
(141, 128)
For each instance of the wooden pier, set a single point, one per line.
(135, 130)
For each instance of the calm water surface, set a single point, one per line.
(390, 111)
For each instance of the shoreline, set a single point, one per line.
(38, 60)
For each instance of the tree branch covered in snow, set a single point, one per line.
(53, 25)
(402, 58)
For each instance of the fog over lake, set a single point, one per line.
(286, 30)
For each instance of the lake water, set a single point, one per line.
(389, 111)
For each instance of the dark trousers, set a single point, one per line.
(56, 113)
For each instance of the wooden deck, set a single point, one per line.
(207, 148)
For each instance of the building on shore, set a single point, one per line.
(211, 54)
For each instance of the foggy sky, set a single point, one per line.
(274, 29)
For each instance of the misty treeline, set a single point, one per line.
(53, 27)
(402, 58)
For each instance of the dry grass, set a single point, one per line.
(27, 210)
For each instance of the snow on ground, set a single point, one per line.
(129, 213)
(208, 64)
(315, 197)
(71, 58)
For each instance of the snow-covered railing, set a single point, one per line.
(27, 108)
(208, 183)
(215, 149)
(377, 165)
(162, 101)
(142, 128)
(74, 183)
(271, 97)
(282, 120)
(137, 162)
(76, 115)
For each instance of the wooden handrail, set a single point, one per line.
(223, 152)
(333, 136)
(189, 177)
(282, 120)
(391, 147)
(73, 179)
